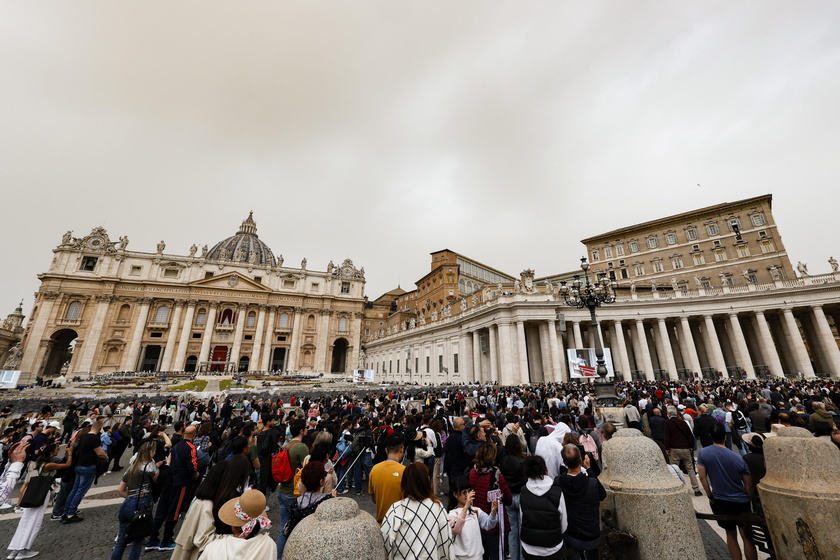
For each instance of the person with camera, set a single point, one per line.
(583, 494)
(490, 485)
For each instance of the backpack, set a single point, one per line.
(589, 445)
(739, 420)
(281, 466)
(361, 441)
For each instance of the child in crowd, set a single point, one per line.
(466, 523)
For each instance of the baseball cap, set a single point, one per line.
(195, 423)
(87, 421)
(680, 407)
(54, 424)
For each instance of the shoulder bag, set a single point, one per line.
(37, 490)
(141, 523)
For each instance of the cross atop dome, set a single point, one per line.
(248, 225)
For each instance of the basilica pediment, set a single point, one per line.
(231, 281)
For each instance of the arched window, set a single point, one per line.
(307, 358)
(251, 320)
(310, 322)
(125, 312)
(201, 317)
(73, 311)
(112, 358)
(162, 314)
(342, 324)
(226, 317)
(284, 320)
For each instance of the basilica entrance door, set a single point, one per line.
(339, 355)
(219, 357)
(278, 359)
(60, 353)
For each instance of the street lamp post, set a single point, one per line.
(582, 293)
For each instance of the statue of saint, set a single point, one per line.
(330, 267)
(833, 262)
(237, 254)
(193, 249)
(653, 285)
(13, 357)
(280, 260)
(632, 286)
(204, 252)
(161, 246)
(698, 282)
(674, 284)
(223, 254)
(252, 258)
(802, 268)
(67, 238)
(123, 242)
(517, 286)
(303, 264)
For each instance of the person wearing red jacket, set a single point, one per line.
(485, 477)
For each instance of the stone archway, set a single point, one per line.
(60, 352)
(339, 355)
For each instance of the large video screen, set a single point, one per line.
(582, 362)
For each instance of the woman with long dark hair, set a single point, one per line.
(224, 481)
(416, 527)
(136, 488)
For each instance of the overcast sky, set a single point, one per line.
(382, 131)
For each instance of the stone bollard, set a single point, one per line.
(800, 495)
(336, 531)
(647, 501)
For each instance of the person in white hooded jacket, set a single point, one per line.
(543, 511)
(550, 448)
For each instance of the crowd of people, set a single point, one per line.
(517, 466)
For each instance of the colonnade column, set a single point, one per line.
(644, 349)
(665, 345)
(465, 364)
(183, 342)
(800, 353)
(95, 332)
(265, 359)
(254, 361)
(169, 351)
(693, 359)
(208, 334)
(624, 359)
(556, 361)
(34, 342)
(291, 359)
(523, 375)
(476, 357)
(577, 334)
(740, 344)
(130, 359)
(500, 359)
(769, 348)
(321, 358)
(713, 343)
(827, 338)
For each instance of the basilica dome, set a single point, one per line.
(244, 247)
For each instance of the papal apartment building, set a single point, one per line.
(702, 294)
(232, 307)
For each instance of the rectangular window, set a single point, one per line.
(200, 317)
(734, 223)
(258, 279)
(767, 247)
(619, 250)
(345, 289)
(594, 256)
(608, 252)
(671, 238)
(281, 339)
(639, 269)
(624, 274)
(691, 234)
(712, 229)
(677, 263)
(136, 271)
(249, 337)
(314, 287)
(196, 335)
(743, 251)
(398, 366)
(390, 366)
(427, 364)
(289, 284)
(634, 246)
(758, 219)
(652, 243)
(416, 365)
(156, 335)
(170, 273)
(720, 256)
(454, 363)
(657, 266)
(440, 364)
(208, 275)
(698, 260)
(88, 263)
(706, 284)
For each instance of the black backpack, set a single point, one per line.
(739, 420)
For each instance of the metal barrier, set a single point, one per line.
(615, 544)
(755, 526)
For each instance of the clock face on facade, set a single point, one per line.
(347, 271)
(95, 242)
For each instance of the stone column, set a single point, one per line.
(800, 353)
(740, 345)
(647, 501)
(183, 343)
(827, 340)
(268, 340)
(209, 326)
(241, 317)
(130, 359)
(556, 368)
(768, 347)
(465, 364)
(171, 336)
(256, 351)
(523, 375)
(578, 336)
(713, 343)
(800, 495)
(621, 350)
(689, 345)
(664, 343)
(321, 354)
(493, 337)
(94, 332)
(563, 372)
(33, 347)
(644, 349)
(294, 347)
(477, 374)
(507, 375)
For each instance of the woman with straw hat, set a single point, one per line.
(245, 516)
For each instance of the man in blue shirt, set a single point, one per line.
(730, 492)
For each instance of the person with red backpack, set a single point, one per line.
(284, 465)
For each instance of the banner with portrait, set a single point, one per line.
(582, 363)
(363, 376)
